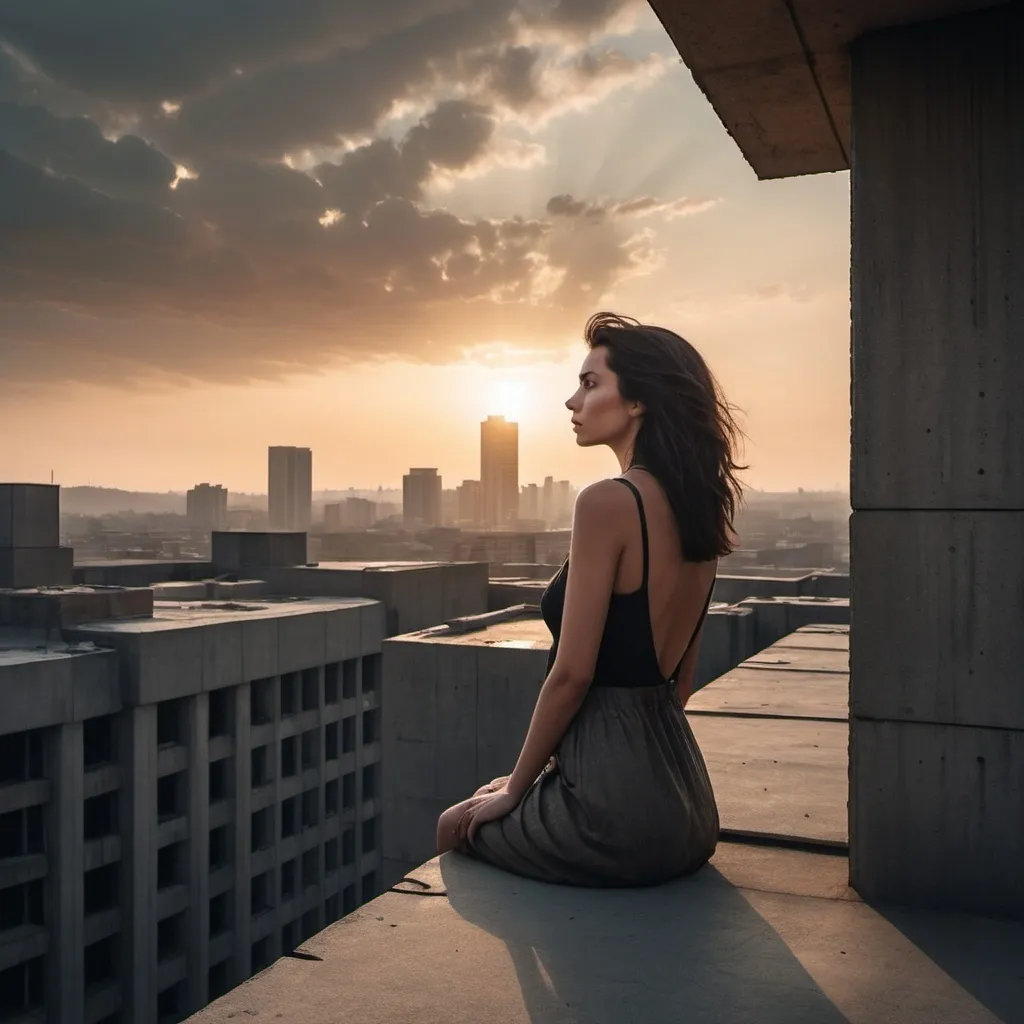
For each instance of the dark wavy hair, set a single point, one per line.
(688, 439)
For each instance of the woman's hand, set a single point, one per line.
(491, 808)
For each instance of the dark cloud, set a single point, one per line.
(137, 240)
(75, 146)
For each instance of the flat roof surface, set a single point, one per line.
(23, 648)
(183, 614)
(759, 935)
(526, 632)
(379, 566)
(774, 732)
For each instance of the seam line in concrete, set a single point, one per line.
(809, 57)
(948, 725)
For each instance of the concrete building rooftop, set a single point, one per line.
(760, 934)
(169, 615)
(23, 647)
(526, 631)
(778, 74)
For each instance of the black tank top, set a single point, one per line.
(627, 656)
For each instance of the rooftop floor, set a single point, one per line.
(762, 935)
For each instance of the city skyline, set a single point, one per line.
(595, 166)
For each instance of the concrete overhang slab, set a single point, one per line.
(777, 72)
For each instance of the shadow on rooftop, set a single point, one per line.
(691, 950)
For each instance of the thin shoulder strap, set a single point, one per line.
(643, 523)
(674, 678)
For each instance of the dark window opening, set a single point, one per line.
(331, 741)
(310, 689)
(262, 829)
(371, 776)
(101, 888)
(260, 954)
(100, 962)
(331, 797)
(220, 704)
(171, 936)
(218, 980)
(310, 924)
(22, 987)
(369, 835)
(288, 871)
(220, 847)
(170, 722)
(289, 756)
(170, 865)
(99, 815)
(260, 766)
(371, 673)
(220, 914)
(348, 790)
(348, 846)
(348, 734)
(348, 899)
(331, 855)
(310, 868)
(371, 725)
(369, 886)
(261, 702)
(331, 907)
(289, 693)
(21, 905)
(260, 895)
(171, 1002)
(332, 674)
(289, 817)
(220, 779)
(21, 832)
(310, 758)
(98, 742)
(349, 674)
(21, 757)
(310, 808)
(170, 796)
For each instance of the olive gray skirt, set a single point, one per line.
(628, 801)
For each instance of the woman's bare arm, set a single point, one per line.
(598, 538)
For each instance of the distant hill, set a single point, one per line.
(102, 501)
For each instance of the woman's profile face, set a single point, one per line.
(599, 413)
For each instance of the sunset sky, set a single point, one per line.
(362, 227)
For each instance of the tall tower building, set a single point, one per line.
(499, 471)
(206, 507)
(421, 498)
(289, 488)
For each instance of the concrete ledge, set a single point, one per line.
(773, 936)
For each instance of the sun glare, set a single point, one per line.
(510, 398)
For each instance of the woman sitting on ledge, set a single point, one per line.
(610, 788)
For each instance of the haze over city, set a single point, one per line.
(237, 248)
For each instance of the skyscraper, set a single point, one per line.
(421, 498)
(206, 507)
(289, 488)
(499, 471)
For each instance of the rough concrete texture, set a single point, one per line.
(941, 825)
(235, 549)
(139, 572)
(778, 75)
(939, 635)
(45, 684)
(416, 595)
(456, 708)
(937, 727)
(36, 567)
(184, 649)
(64, 607)
(776, 617)
(29, 516)
(758, 935)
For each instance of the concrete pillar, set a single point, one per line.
(66, 897)
(199, 849)
(243, 814)
(138, 861)
(937, 533)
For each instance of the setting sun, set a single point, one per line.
(510, 398)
